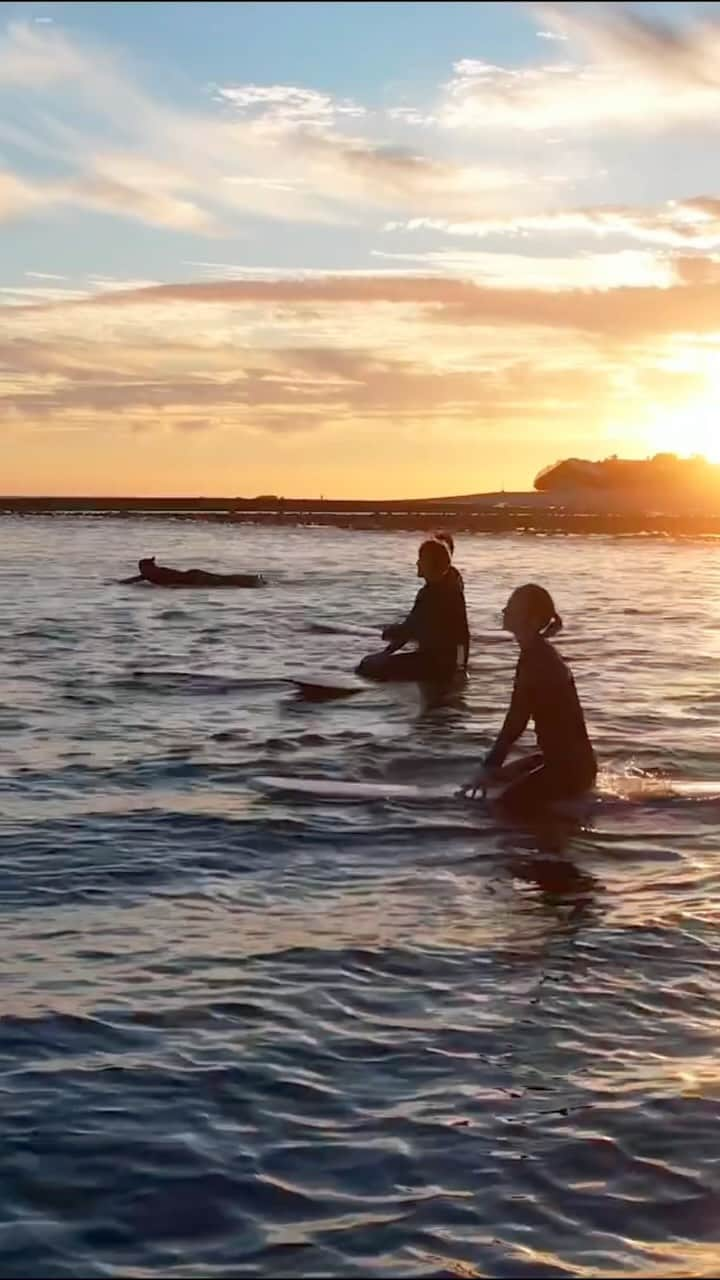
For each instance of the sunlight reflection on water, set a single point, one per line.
(250, 1035)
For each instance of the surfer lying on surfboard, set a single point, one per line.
(160, 576)
(544, 691)
(437, 623)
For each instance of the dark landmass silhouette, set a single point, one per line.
(678, 481)
(663, 494)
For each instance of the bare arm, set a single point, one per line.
(491, 771)
(395, 636)
(138, 577)
(515, 722)
(399, 633)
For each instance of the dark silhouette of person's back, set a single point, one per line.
(443, 536)
(162, 576)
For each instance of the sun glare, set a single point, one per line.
(691, 430)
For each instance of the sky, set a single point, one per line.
(354, 249)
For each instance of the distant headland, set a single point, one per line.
(662, 494)
(679, 483)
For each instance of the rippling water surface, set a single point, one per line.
(261, 1036)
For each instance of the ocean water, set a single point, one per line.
(249, 1036)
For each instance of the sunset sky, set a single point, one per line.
(357, 249)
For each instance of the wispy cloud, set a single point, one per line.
(688, 223)
(411, 115)
(283, 104)
(520, 304)
(105, 194)
(17, 197)
(624, 267)
(632, 70)
(295, 388)
(623, 314)
(353, 356)
(285, 152)
(685, 53)
(19, 295)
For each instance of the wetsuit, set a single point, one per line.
(565, 764)
(457, 577)
(438, 624)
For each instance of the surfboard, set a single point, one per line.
(337, 790)
(623, 787)
(322, 688)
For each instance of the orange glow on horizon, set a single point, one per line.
(691, 430)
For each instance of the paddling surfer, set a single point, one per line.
(161, 576)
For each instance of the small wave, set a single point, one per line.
(12, 724)
(189, 682)
(654, 787)
(54, 632)
(341, 629)
(244, 1034)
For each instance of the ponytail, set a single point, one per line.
(552, 627)
(541, 608)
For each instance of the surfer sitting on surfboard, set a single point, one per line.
(161, 576)
(437, 623)
(545, 692)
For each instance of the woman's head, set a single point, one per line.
(433, 560)
(531, 611)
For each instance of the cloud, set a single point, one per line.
(17, 197)
(19, 294)
(354, 167)
(693, 222)
(410, 115)
(387, 175)
(353, 395)
(637, 71)
(157, 207)
(293, 388)
(284, 152)
(452, 342)
(296, 290)
(296, 153)
(579, 271)
(105, 195)
(283, 104)
(620, 315)
(696, 269)
(233, 271)
(37, 59)
(686, 54)
(345, 355)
